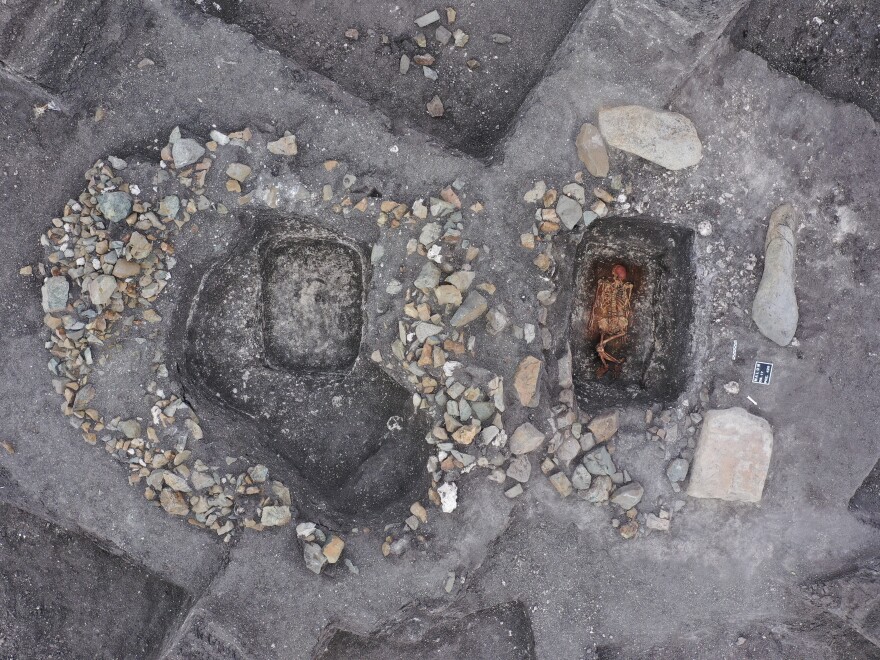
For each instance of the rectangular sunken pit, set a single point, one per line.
(657, 259)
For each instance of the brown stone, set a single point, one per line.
(526, 381)
(732, 457)
(604, 426)
(333, 549)
(591, 150)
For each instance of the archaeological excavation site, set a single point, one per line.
(484, 331)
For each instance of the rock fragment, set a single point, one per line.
(435, 107)
(55, 291)
(473, 307)
(732, 456)
(333, 549)
(591, 150)
(526, 438)
(114, 206)
(283, 146)
(569, 211)
(520, 469)
(186, 151)
(313, 554)
(448, 493)
(275, 516)
(604, 426)
(561, 483)
(526, 379)
(628, 496)
(599, 490)
(665, 138)
(238, 171)
(775, 308)
(677, 470)
(427, 19)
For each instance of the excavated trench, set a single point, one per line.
(273, 345)
(655, 350)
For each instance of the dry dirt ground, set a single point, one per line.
(784, 96)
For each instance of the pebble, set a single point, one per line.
(238, 171)
(599, 490)
(473, 307)
(101, 289)
(569, 212)
(55, 291)
(526, 438)
(604, 426)
(448, 493)
(665, 138)
(499, 38)
(515, 491)
(526, 380)
(427, 19)
(775, 308)
(677, 470)
(275, 516)
(731, 387)
(169, 207)
(628, 496)
(562, 484)
(283, 146)
(313, 554)
(173, 502)
(435, 107)
(114, 206)
(599, 462)
(125, 268)
(333, 550)
(447, 294)
(404, 64)
(429, 276)
(592, 152)
(186, 151)
(442, 35)
(219, 138)
(581, 478)
(704, 228)
(520, 469)
(657, 523)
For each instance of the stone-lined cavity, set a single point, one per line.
(342, 429)
(62, 596)
(312, 293)
(658, 260)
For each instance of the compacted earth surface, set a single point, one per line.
(474, 331)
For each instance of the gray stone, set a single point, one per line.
(114, 206)
(313, 554)
(117, 163)
(666, 138)
(525, 438)
(169, 206)
(130, 428)
(581, 478)
(176, 482)
(483, 410)
(435, 107)
(473, 307)
(425, 330)
(569, 211)
(628, 496)
(568, 450)
(677, 470)
(599, 462)
(657, 523)
(442, 35)
(775, 308)
(186, 151)
(429, 277)
(561, 483)
(599, 490)
(565, 373)
(496, 321)
(430, 233)
(591, 150)
(427, 19)
(520, 469)
(499, 38)
(732, 457)
(273, 516)
(55, 291)
(101, 289)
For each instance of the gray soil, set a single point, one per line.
(90, 568)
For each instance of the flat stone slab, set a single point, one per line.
(666, 138)
(732, 457)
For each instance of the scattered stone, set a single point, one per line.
(569, 212)
(536, 194)
(220, 138)
(313, 554)
(442, 35)
(581, 478)
(677, 470)
(448, 493)
(125, 268)
(404, 64)
(599, 462)
(704, 228)
(599, 490)
(274, 516)
(447, 294)
(333, 549)
(283, 146)
(117, 163)
(520, 469)
(515, 491)
(173, 502)
(732, 457)
(592, 152)
(626, 497)
(496, 321)
(525, 382)
(114, 206)
(568, 450)
(352, 34)
(561, 483)
(604, 426)
(435, 107)
(499, 38)
(429, 277)
(461, 38)
(419, 512)
(101, 289)
(238, 172)
(657, 523)
(55, 291)
(427, 19)
(629, 530)
(186, 151)
(526, 438)
(665, 138)
(775, 308)
(130, 428)
(732, 387)
(169, 207)
(473, 307)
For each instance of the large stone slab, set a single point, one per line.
(666, 138)
(733, 456)
(775, 308)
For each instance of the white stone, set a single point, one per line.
(666, 138)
